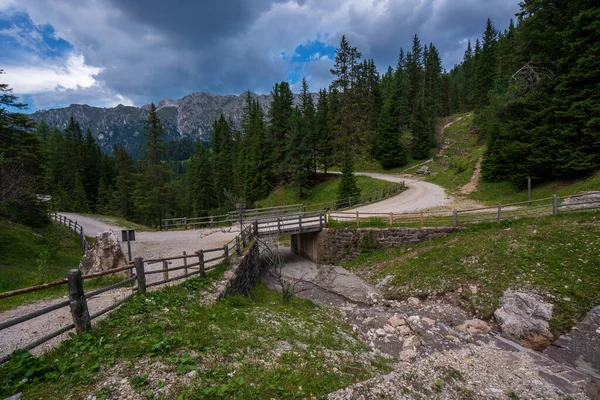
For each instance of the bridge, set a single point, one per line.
(290, 224)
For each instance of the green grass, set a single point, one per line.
(454, 168)
(322, 193)
(241, 348)
(556, 256)
(121, 222)
(32, 256)
(504, 192)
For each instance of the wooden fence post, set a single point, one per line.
(499, 212)
(328, 216)
(391, 219)
(455, 217)
(140, 275)
(321, 216)
(226, 253)
(382, 193)
(185, 223)
(201, 262)
(243, 233)
(79, 309)
(422, 219)
(185, 270)
(165, 266)
(554, 204)
(357, 221)
(300, 222)
(255, 227)
(82, 239)
(279, 226)
(238, 248)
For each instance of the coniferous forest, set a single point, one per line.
(534, 87)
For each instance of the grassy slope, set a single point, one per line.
(557, 256)
(455, 167)
(321, 193)
(232, 345)
(465, 147)
(32, 256)
(503, 192)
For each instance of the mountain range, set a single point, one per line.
(190, 117)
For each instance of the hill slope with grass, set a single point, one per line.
(555, 256)
(33, 256)
(326, 191)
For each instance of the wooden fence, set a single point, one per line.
(74, 226)
(269, 212)
(194, 264)
(548, 206)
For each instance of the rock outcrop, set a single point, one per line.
(525, 317)
(105, 254)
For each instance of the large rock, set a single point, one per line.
(423, 170)
(105, 254)
(525, 317)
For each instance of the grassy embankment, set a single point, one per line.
(240, 348)
(465, 146)
(32, 256)
(555, 256)
(321, 193)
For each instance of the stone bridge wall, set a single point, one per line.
(244, 276)
(332, 246)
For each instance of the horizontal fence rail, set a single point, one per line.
(195, 264)
(74, 226)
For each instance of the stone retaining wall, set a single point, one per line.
(337, 245)
(244, 276)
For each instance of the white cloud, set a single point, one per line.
(43, 77)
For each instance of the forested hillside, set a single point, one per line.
(534, 88)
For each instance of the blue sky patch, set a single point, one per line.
(19, 34)
(311, 51)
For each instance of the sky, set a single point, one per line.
(132, 52)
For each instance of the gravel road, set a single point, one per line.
(148, 245)
(419, 196)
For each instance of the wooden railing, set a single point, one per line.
(74, 226)
(233, 217)
(195, 264)
(77, 303)
(548, 206)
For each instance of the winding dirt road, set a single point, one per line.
(419, 196)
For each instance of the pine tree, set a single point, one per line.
(152, 193)
(348, 190)
(421, 142)
(222, 159)
(258, 169)
(279, 115)
(200, 182)
(390, 150)
(325, 148)
(486, 66)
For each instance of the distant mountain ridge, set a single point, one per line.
(189, 117)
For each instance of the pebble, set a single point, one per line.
(192, 374)
(380, 332)
(395, 321)
(429, 321)
(413, 301)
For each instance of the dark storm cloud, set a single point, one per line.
(152, 49)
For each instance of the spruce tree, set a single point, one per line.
(348, 190)
(421, 141)
(390, 150)
(325, 147)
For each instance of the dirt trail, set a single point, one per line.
(474, 181)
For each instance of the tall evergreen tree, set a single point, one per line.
(390, 151)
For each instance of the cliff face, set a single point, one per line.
(189, 117)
